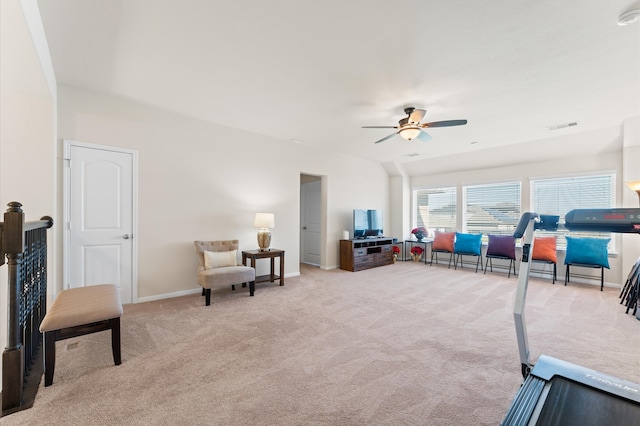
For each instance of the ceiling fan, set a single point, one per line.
(410, 126)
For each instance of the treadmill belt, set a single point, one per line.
(572, 403)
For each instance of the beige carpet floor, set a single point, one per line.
(405, 344)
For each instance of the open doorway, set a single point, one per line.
(311, 219)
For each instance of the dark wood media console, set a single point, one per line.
(356, 255)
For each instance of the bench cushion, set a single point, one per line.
(83, 305)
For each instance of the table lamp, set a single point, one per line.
(635, 186)
(264, 221)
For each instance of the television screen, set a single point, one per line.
(367, 223)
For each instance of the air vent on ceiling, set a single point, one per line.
(562, 126)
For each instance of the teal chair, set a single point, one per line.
(586, 252)
(467, 245)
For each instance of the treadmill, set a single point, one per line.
(557, 392)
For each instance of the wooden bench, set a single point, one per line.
(79, 311)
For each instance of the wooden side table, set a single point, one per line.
(269, 254)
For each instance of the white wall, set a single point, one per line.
(27, 109)
(199, 180)
(608, 160)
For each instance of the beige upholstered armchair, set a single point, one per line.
(218, 267)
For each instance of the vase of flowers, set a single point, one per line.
(396, 252)
(416, 253)
(419, 233)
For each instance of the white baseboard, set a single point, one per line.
(188, 292)
(329, 268)
(169, 295)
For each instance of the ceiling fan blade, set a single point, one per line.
(379, 127)
(423, 136)
(445, 123)
(417, 115)
(385, 138)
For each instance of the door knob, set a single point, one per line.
(127, 236)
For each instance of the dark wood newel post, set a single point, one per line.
(13, 357)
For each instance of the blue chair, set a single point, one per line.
(587, 253)
(467, 245)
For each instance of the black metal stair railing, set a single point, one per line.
(23, 245)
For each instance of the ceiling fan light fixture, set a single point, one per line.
(409, 132)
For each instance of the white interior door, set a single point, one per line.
(311, 217)
(101, 218)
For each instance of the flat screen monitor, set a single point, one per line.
(367, 223)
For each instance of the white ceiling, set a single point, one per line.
(317, 71)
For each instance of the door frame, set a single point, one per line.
(66, 210)
(304, 225)
(323, 218)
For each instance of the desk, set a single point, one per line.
(412, 243)
(269, 254)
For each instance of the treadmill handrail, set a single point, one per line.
(524, 230)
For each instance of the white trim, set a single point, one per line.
(67, 144)
(575, 174)
(189, 292)
(169, 295)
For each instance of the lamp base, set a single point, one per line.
(264, 239)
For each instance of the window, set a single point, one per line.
(435, 209)
(492, 208)
(561, 195)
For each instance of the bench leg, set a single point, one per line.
(115, 340)
(49, 357)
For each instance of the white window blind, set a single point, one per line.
(558, 196)
(492, 208)
(435, 209)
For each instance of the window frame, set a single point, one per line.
(452, 191)
(562, 232)
(508, 228)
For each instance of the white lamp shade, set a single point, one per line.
(264, 220)
(635, 186)
(409, 132)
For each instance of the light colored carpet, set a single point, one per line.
(405, 344)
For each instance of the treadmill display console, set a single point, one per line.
(603, 220)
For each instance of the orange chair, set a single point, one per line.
(443, 243)
(544, 251)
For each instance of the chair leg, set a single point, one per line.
(601, 278)
(233, 287)
(252, 287)
(115, 340)
(479, 262)
(566, 275)
(487, 263)
(454, 263)
(49, 357)
(203, 291)
(555, 273)
(207, 297)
